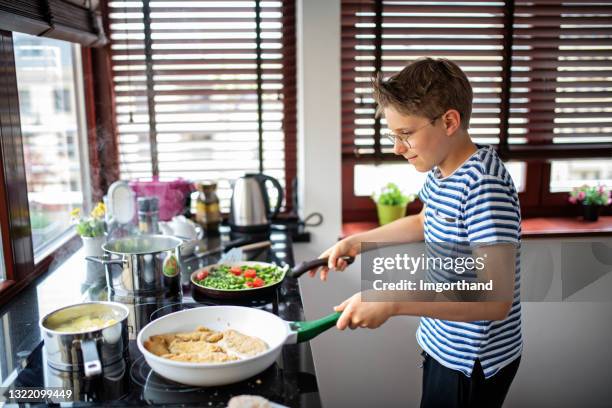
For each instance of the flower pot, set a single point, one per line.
(590, 212)
(92, 246)
(390, 213)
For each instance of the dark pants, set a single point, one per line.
(447, 388)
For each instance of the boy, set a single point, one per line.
(471, 350)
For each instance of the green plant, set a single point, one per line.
(590, 195)
(392, 195)
(92, 226)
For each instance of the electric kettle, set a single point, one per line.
(250, 204)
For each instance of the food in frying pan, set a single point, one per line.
(241, 344)
(85, 324)
(205, 346)
(227, 277)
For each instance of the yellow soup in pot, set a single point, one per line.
(85, 324)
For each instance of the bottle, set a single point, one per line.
(208, 214)
(148, 215)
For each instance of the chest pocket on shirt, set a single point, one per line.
(444, 217)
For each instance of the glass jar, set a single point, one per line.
(208, 214)
(148, 215)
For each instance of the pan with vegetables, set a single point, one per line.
(232, 280)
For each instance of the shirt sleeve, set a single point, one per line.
(423, 192)
(492, 212)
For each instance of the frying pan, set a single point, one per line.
(261, 291)
(250, 321)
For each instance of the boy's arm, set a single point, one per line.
(455, 311)
(406, 229)
(372, 314)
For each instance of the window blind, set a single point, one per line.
(562, 76)
(540, 70)
(197, 83)
(66, 20)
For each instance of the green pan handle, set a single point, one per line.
(310, 329)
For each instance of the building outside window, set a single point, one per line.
(49, 69)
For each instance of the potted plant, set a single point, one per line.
(592, 199)
(391, 203)
(91, 229)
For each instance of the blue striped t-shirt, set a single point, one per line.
(477, 203)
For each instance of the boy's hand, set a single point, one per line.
(345, 247)
(356, 313)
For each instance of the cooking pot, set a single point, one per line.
(88, 350)
(142, 265)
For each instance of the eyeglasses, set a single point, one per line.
(405, 136)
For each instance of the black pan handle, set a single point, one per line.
(308, 265)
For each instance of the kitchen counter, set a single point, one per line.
(291, 381)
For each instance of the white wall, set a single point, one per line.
(349, 365)
(319, 158)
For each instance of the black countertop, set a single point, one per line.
(291, 381)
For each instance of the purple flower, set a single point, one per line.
(600, 189)
(572, 199)
(581, 195)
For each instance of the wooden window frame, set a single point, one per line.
(14, 209)
(20, 266)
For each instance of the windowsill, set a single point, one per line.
(70, 243)
(54, 245)
(553, 227)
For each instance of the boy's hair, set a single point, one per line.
(427, 87)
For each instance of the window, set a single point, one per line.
(25, 102)
(38, 184)
(518, 172)
(61, 99)
(202, 87)
(48, 68)
(541, 77)
(561, 76)
(386, 35)
(370, 178)
(567, 174)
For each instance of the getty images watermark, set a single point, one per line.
(492, 271)
(445, 264)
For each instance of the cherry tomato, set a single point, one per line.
(250, 273)
(236, 270)
(249, 284)
(258, 282)
(202, 275)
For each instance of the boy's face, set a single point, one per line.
(429, 142)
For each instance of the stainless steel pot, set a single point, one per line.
(142, 265)
(86, 351)
(112, 385)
